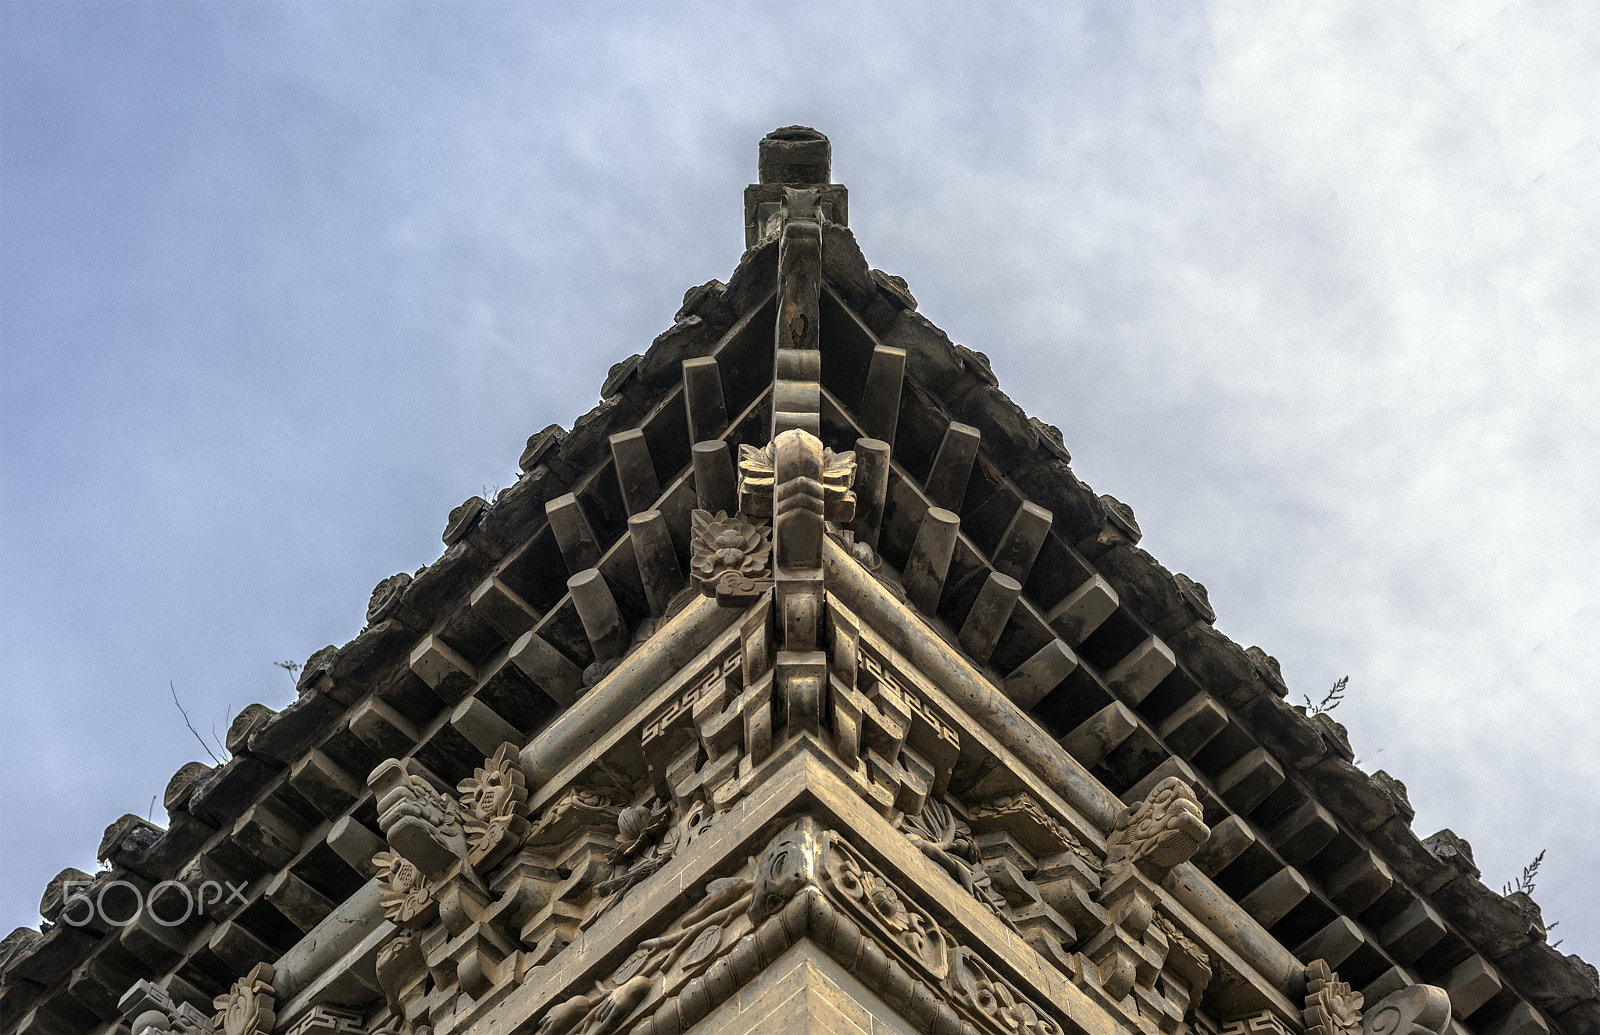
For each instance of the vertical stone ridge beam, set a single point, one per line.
(797, 391)
(715, 486)
(597, 610)
(1023, 538)
(952, 466)
(657, 560)
(872, 489)
(636, 472)
(989, 615)
(1142, 670)
(1080, 612)
(929, 561)
(798, 510)
(797, 388)
(580, 547)
(879, 412)
(1040, 674)
(549, 669)
(702, 397)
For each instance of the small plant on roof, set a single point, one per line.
(1330, 701)
(1524, 883)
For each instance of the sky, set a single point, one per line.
(1313, 292)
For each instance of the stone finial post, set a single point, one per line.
(797, 156)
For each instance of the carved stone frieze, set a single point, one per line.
(155, 1012)
(420, 823)
(1158, 833)
(759, 477)
(805, 878)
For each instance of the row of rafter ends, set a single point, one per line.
(493, 533)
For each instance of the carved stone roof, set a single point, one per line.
(1069, 652)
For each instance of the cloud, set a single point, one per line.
(1312, 292)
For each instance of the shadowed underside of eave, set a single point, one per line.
(1019, 569)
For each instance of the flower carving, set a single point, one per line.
(1331, 1007)
(494, 805)
(406, 898)
(638, 826)
(247, 1007)
(727, 556)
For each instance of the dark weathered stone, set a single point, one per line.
(689, 338)
(795, 155)
(1453, 850)
(366, 658)
(845, 267)
(182, 785)
(894, 288)
(1146, 587)
(1008, 433)
(539, 444)
(288, 734)
(244, 724)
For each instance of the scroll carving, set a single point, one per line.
(1418, 1010)
(1158, 833)
(1331, 1007)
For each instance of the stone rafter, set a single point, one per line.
(877, 566)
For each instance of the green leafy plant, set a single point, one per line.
(1331, 700)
